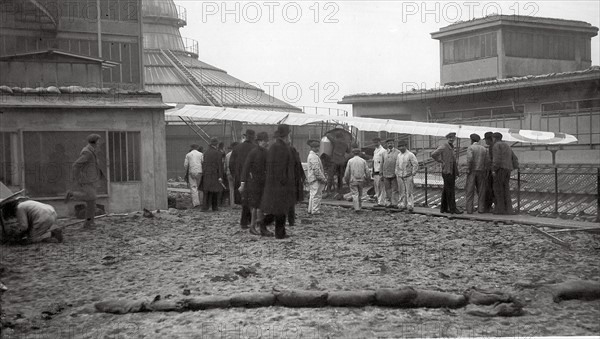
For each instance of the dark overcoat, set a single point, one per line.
(212, 170)
(278, 195)
(236, 166)
(254, 174)
(299, 176)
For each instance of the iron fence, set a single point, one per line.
(552, 190)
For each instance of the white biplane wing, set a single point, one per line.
(203, 113)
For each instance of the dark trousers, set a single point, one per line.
(291, 216)
(280, 226)
(502, 192)
(448, 198)
(489, 192)
(212, 199)
(246, 215)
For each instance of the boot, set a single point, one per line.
(263, 230)
(279, 232)
(253, 230)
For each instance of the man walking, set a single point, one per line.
(315, 178)
(389, 174)
(193, 172)
(356, 175)
(278, 195)
(407, 167)
(504, 162)
(477, 167)
(236, 165)
(212, 176)
(378, 184)
(87, 174)
(444, 154)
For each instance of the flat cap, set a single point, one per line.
(214, 142)
(451, 135)
(92, 138)
(498, 135)
(475, 137)
(488, 135)
(401, 143)
(390, 140)
(250, 133)
(313, 143)
(283, 130)
(262, 136)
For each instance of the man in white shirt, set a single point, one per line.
(357, 175)
(377, 175)
(406, 169)
(193, 171)
(316, 177)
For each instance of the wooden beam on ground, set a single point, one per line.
(551, 237)
(587, 229)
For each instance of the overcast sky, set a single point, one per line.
(313, 53)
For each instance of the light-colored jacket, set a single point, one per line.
(86, 168)
(357, 171)
(444, 154)
(378, 159)
(389, 163)
(315, 168)
(193, 161)
(477, 158)
(406, 164)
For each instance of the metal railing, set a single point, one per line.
(553, 190)
(190, 46)
(335, 112)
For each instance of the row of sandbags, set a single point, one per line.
(479, 302)
(405, 297)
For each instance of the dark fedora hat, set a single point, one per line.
(283, 130)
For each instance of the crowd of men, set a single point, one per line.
(267, 179)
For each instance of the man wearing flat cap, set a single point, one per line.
(407, 167)
(87, 173)
(444, 154)
(357, 175)
(503, 163)
(212, 172)
(316, 177)
(279, 194)
(477, 167)
(236, 165)
(378, 185)
(388, 172)
(488, 143)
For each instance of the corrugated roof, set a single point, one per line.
(161, 75)
(494, 85)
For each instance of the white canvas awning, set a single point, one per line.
(365, 124)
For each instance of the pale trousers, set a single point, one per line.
(316, 192)
(379, 189)
(195, 180)
(356, 189)
(391, 191)
(406, 187)
(232, 189)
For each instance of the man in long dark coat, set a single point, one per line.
(212, 171)
(253, 183)
(236, 165)
(300, 178)
(279, 191)
(444, 154)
